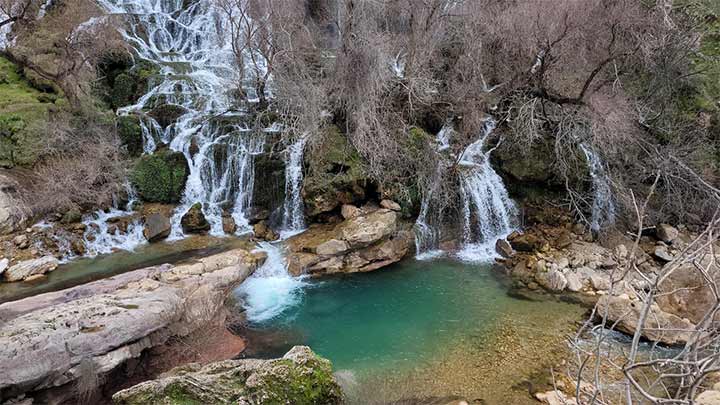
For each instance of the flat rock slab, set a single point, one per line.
(43, 339)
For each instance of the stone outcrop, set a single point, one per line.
(44, 338)
(13, 212)
(659, 326)
(194, 220)
(363, 243)
(299, 377)
(31, 268)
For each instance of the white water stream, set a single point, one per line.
(603, 206)
(293, 208)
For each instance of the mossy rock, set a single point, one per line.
(130, 134)
(124, 81)
(167, 114)
(336, 174)
(160, 177)
(300, 378)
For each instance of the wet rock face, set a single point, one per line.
(366, 242)
(13, 212)
(194, 221)
(157, 227)
(299, 377)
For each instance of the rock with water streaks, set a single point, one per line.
(194, 220)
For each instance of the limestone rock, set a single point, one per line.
(332, 247)
(264, 232)
(28, 268)
(45, 337)
(710, 397)
(660, 326)
(364, 243)
(300, 376)
(349, 211)
(194, 220)
(552, 280)
(666, 233)
(13, 212)
(574, 283)
(390, 205)
(503, 248)
(661, 252)
(369, 228)
(228, 224)
(21, 241)
(157, 227)
(685, 292)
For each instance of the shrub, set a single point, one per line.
(160, 177)
(130, 134)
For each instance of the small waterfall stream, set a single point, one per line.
(101, 237)
(603, 206)
(488, 211)
(294, 215)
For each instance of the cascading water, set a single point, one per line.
(197, 75)
(294, 215)
(488, 211)
(603, 207)
(102, 237)
(270, 290)
(427, 232)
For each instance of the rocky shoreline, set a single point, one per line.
(100, 325)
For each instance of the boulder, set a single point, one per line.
(370, 228)
(160, 177)
(661, 253)
(194, 220)
(349, 211)
(503, 248)
(332, 247)
(666, 233)
(13, 212)
(710, 397)
(299, 377)
(44, 338)
(264, 232)
(390, 205)
(21, 241)
(685, 293)
(659, 326)
(29, 268)
(228, 224)
(552, 280)
(574, 283)
(359, 244)
(157, 227)
(525, 243)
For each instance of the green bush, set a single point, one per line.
(130, 134)
(160, 177)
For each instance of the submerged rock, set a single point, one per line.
(300, 377)
(30, 268)
(363, 243)
(194, 220)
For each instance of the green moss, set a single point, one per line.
(130, 133)
(24, 117)
(160, 177)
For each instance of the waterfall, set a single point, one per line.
(294, 213)
(197, 75)
(603, 206)
(100, 238)
(488, 212)
(427, 232)
(270, 290)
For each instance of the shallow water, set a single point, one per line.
(402, 319)
(85, 270)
